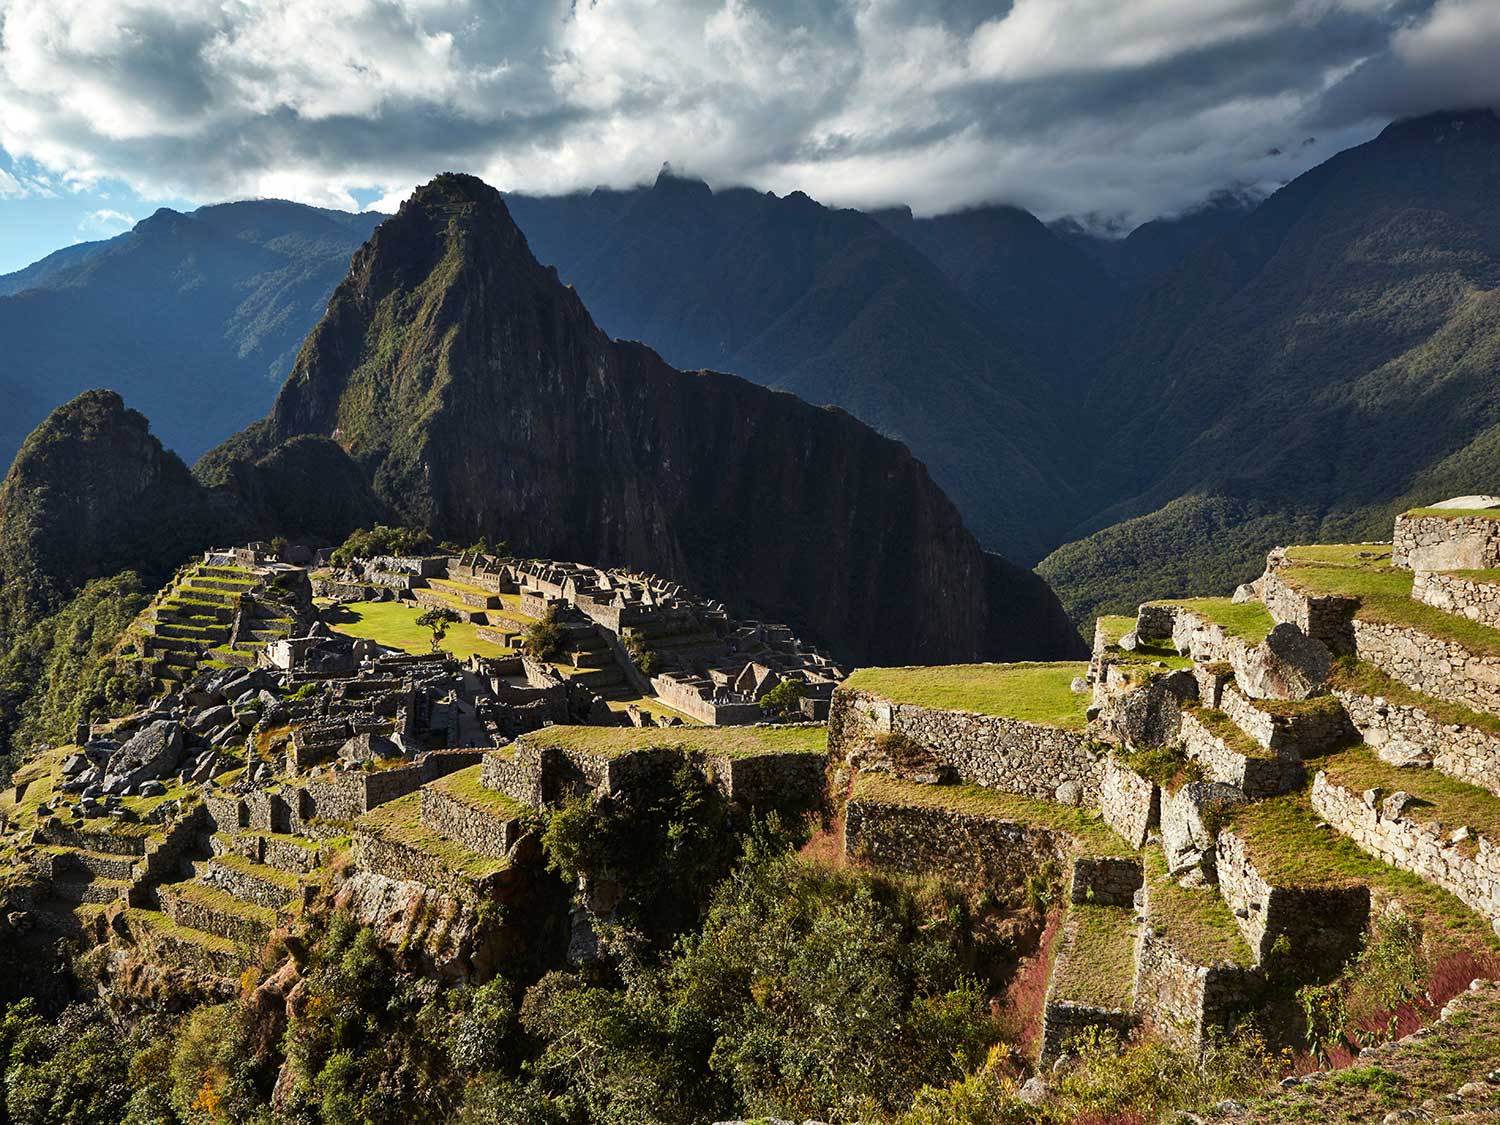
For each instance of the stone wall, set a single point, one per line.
(1182, 999)
(1467, 753)
(1324, 617)
(1105, 880)
(399, 861)
(478, 829)
(1322, 925)
(1155, 622)
(978, 850)
(783, 780)
(1298, 733)
(521, 781)
(1258, 776)
(1131, 805)
(1431, 664)
(1451, 593)
(246, 886)
(998, 753)
(1437, 543)
(1470, 873)
(1064, 1020)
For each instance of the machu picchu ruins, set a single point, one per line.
(1230, 793)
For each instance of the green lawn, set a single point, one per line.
(734, 742)
(1098, 963)
(1222, 727)
(395, 624)
(1115, 626)
(1250, 621)
(1451, 802)
(1489, 577)
(1358, 675)
(1034, 693)
(1193, 920)
(1342, 554)
(1291, 846)
(464, 786)
(1086, 826)
(1454, 513)
(1384, 594)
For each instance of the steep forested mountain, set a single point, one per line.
(832, 306)
(194, 318)
(480, 398)
(1329, 359)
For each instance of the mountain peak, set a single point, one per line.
(1480, 124)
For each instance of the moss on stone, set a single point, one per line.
(1034, 692)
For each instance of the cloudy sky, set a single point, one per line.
(1118, 110)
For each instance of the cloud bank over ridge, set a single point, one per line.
(1116, 109)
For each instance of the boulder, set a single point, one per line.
(212, 718)
(1150, 714)
(1394, 807)
(1405, 755)
(152, 753)
(1288, 664)
(1190, 822)
(1068, 793)
(1246, 592)
(367, 748)
(74, 765)
(151, 789)
(1130, 641)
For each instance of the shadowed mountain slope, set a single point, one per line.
(480, 398)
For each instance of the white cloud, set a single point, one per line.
(1122, 108)
(105, 221)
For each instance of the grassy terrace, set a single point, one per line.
(1194, 921)
(1449, 802)
(395, 624)
(1292, 847)
(1489, 577)
(1384, 594)
(1097, 966)
(733, 742)
(1033, 693)
(1342, 554)
(1454, 513)
(1114, 626)
(1086, 826)
(400, 822)
(1250, 621)
(1357, 675)
(222, 902)
(236, 862)
(1222, 727)
(463, 786)
(163, 926)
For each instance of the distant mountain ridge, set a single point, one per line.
(194, 318)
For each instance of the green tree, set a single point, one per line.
(783, 701)
(545, 636)
(436, 621)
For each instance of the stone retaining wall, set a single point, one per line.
(1431, 664)
(1300, 733)
(200, 916)
(247, 887)
(1438, 543)
(1105, 880)
(480, 830)
(1257, 776)
(401, 862)
(998, 753)
(1155, 622)
(1064, 1020)
(1471, 874)
(521, 781)
(1451, 593)
(1324, 617)
(1322, 925)
(1183, 999)
(1464, 752)
(1131, 805)
(784, 780)
(981, 851)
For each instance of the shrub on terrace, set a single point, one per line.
(545, 636)
(382, 540)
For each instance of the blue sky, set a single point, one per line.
(1111, 111)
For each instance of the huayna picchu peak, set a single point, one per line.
(481, 400)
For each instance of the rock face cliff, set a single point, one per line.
(481, 399)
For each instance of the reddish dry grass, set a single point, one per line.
(826, 845)
(1449, 976)
(1129, 1117)
(1020, 1011)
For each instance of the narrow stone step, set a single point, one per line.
(93, 890)
(1093, 978)
(183, 945)
(67, 861)
(248, 881)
